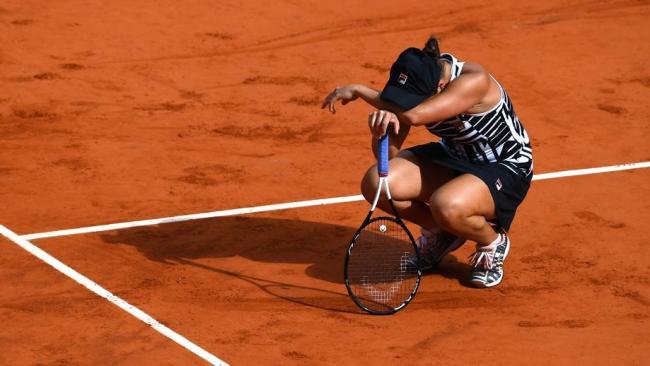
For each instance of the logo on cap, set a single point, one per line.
(402, 78)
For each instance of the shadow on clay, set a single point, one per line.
(266, 240)
(297, 294)
(451, 268)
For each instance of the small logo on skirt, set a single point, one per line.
(498, 184)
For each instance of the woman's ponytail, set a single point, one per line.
(431, 47)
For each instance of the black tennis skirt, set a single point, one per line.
(508, 189)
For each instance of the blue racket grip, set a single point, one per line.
(382, 156)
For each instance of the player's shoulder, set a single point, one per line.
(459, 67)
(473, 76)
(474, 68)
(466, 74)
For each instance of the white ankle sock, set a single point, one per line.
(496, 242)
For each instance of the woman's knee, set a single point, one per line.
(448, 212)
(369, 183)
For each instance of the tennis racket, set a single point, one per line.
(382, 273)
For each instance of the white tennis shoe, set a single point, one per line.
(487, 263)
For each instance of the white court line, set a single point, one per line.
(100, 291)
(290, 205)
(198, 216)
(23, 241)
(604, 169)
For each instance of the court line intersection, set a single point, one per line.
(24, 242)
(293, 205)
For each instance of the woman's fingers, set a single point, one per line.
(379, 122)
(330, 101)
(375, 120)
(372, 122)
(344, 93)
(326, 101)
(383, 123)
(386, 118)
(395, 123)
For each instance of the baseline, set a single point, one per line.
(293, 205)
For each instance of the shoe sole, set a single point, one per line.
(481, 284)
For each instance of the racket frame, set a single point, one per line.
(382, 184)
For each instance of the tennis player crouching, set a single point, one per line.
(468, 185)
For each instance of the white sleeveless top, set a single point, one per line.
(495, 136)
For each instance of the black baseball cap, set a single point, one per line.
(413, 78)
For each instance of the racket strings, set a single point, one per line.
(382, 270)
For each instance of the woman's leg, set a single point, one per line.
(462, 206)
(411, 182)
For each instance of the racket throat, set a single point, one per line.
(383, 183)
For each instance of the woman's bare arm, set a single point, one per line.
(463, 93)
(372, 97)
(351, 92)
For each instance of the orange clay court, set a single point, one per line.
(114, 112)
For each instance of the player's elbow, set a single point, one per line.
(412, 118)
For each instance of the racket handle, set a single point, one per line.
(382, 156)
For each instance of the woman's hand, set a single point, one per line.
(378, 122)
(345, 94)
